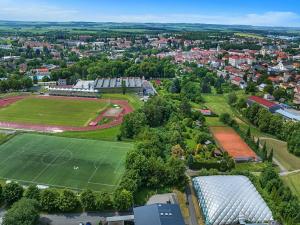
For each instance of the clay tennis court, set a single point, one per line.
(229, 141)
(117, 120)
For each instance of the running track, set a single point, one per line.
(47, 128)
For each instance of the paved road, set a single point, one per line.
(193, 217)
(1, 215)
(70, 218)
(73, 218)
(289, 172)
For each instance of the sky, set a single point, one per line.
(242, 12)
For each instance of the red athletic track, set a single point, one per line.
(49, 128)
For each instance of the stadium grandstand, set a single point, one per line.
(228, 200)
(83, 88)
(91, 88)
(114, 85)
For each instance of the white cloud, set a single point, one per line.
(265, 19)
(33, 10)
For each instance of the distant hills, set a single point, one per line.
(98, 26)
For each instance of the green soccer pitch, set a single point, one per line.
(53, 111)
(63, 162)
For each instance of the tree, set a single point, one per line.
(104, 202)
(177, 151)
(157, 111)
(241, 104)
(49, 200)
(205, 87)
(175, 86)
(263, 120)
(190, 160)
(294, 143)
(12, 192)
(176, 172)
(257, 144)
(35, 79)
(1, 194)
(68, 201)
(123, 200)
(268, 174)
(225, 118)
(124, 87)
(270, 156)
(269, 89)
(32, 192)
(23, 212)
(191, 91)
(133, 124)
(248, 134)
(232, 98)
(264, 152)
(202, 137)
(185, 108)
(88, 200)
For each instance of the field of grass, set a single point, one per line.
(66, 112)
(249, 35)
(133, 99)
(109, 134)
(293, 181)
(63, 162)
(252, 167)
(288, 160)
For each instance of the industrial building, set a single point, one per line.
(227, 200)
(271, 106)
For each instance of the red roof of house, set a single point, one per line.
(205, 111)
(42, 70)
(262, 101)
(237, 79)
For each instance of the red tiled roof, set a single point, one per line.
(262, 101)
(237, 79)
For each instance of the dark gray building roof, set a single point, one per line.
(158, 214)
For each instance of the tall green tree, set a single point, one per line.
(49, 200)
(123, 200)
(12, 192)
(32, 192)
(88, 200)
(68, 201)
(104, 202)
(23, 212)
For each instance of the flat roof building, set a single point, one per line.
(158, 214)
(271, 106)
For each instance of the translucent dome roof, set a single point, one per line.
(230, 199)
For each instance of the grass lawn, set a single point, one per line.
(132, 98)
(217, 103)
(63, 162)
(251, 166)
(249, 35)
(293, 181)
(66, 112)
(109, 134)
(288, 160)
